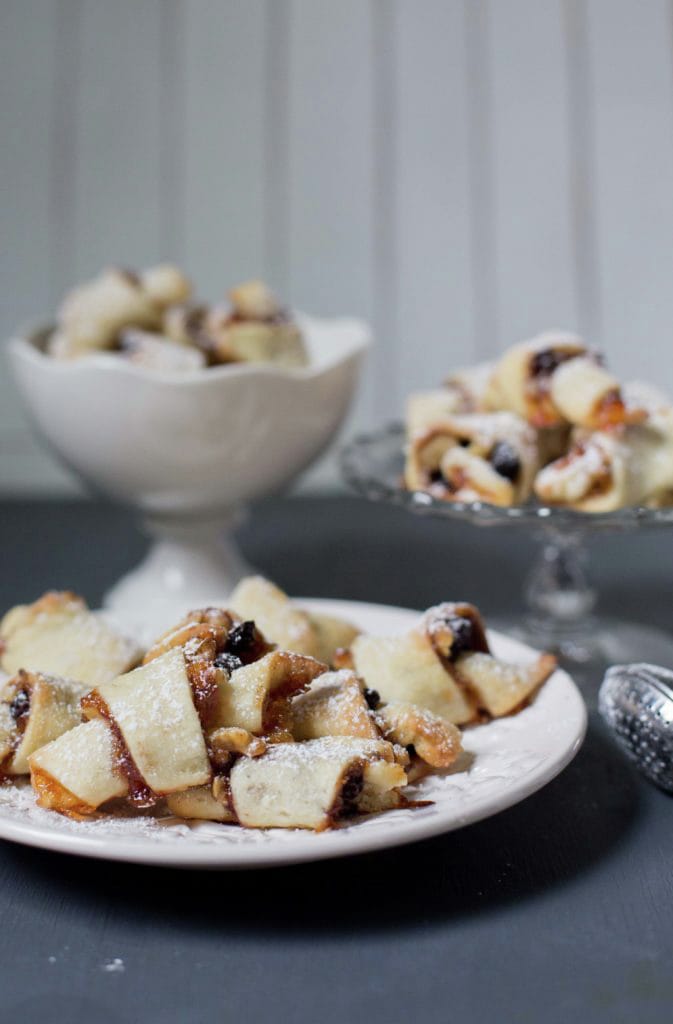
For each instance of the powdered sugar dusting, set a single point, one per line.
(511, 757)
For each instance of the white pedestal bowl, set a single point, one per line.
(188, 452)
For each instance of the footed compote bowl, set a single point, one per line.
(559, 599)
(188, 451)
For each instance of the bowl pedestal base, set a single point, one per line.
(192, 563)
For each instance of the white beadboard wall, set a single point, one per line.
(460, 172)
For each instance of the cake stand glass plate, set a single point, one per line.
(505, 761)
(559, 598)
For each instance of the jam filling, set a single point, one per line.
(222, 650)
(456, 482)
(228, 662)
(373, 698)
(541, 410)
(346, 802)
(277, 715)
(610, 411)
(601, 482)
(222, 789)
(204, 681)
(466, 631)
(19, 709)
(281, 316)
(545, 362)
(140, 793)
(463, 635)
(505, 461)
(246, 643)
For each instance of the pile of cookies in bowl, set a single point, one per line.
(152, 319)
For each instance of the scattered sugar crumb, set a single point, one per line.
(115, 966)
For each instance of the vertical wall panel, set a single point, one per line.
(172, 93)
(117, 174)
(481, 172)
(26, 84)
(64, 138)
(330, 162)
(29, 61)
(434, 289)
(631, 52)
(532, 168)
(582, 174)
(330, 156)
(223, 144)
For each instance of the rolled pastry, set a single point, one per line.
(287, 625)
(334, 705)
(316, 784)
(471, 383)
(59, 636)
(78, 773)
(257, 697)
(501, 688)
(275, 614)
(183, 324)
(608, 470)
(38, 709)
(587, 395)
(408, 668)
(215, 643)
(92, 315)
(490, 457)
(154, 740)
(255, 329)
(152, 712)
(165, 285)
(463, 392)
(238, 680)
(496, 687)
(432, 667)
(156, 352)
(435, 741)
(199, 804)
(521, 381)
(206, 632)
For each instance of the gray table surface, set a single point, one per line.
(558, 909)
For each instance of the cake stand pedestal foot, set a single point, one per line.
(561, 618)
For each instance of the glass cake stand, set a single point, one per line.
(558, 596)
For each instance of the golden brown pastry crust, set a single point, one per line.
(334, 705)
(59, 636)
(41, 708)
(436, 741)
(490, 457)
(499, 687)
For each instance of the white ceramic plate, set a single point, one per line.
(512, 758)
